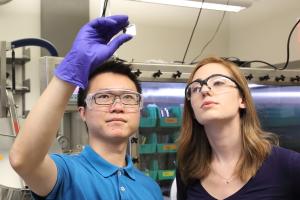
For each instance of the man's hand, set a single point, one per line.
(92, 47)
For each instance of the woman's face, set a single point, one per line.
(218, 99)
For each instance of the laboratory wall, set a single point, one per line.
(261, 33)
(21, 19)
(168, 44)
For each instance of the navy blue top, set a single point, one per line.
(87, 176)
(278, 178)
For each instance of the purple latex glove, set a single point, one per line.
(91, 48)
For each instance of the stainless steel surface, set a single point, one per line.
(4, 46)
(5, 129)
(12, 187)
(8, 177)
(22, 85)
(76, 132)
(13, 113)
(7, 193)
(46, 67)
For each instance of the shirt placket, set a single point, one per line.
(122, 185)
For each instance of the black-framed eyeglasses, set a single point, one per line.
(217, 83)
(104, 98)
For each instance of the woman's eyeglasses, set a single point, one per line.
(217, 83)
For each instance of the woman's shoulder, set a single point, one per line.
(284, 157)
(278, 151)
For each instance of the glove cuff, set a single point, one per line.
(72, 73)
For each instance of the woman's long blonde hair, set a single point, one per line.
(194, 153)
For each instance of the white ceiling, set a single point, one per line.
(164, 15)
(155, 14)
(266, 23)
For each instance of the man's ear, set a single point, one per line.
(82, 111)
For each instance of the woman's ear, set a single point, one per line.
(242, 103)
(81, 111)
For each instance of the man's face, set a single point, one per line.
(106, 116)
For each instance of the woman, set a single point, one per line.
(222, 151)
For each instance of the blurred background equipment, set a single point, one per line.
(276, 94)
(170, 40)
(13, 87)
(11, 185)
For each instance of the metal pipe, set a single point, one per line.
(35, 42)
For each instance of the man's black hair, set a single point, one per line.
(113, 66)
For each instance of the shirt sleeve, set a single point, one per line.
(62, 176)
(294, 165)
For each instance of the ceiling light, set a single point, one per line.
(222, 5)
(4, 1)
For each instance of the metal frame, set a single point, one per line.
(167, 73)
(4, 46)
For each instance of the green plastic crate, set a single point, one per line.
(166, 174)
(150, 120)
(147, 148)
(151, 173)
(167, 148)
(174, 120)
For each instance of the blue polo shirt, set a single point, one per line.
(87, 176)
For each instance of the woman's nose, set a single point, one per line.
(206, 90)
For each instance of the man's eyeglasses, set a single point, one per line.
(103, 99)
(217, 83)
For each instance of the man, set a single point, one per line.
(109, 103)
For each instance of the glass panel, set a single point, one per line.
(159, 128)
(278, 108)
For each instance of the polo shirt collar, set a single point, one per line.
(103, 167)
(129, 169)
